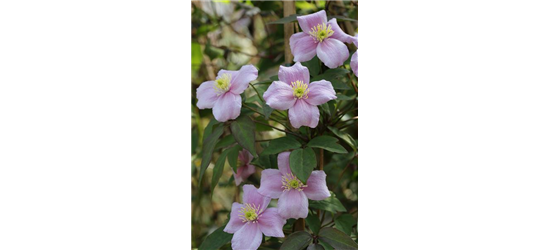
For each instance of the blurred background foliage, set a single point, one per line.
(228, 35)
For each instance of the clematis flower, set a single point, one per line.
(292, 194)
(354, 58)
(244, 168)
(223, 94)
(249, 221)
(322, 38)
(294, 93)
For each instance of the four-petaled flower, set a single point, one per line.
(292, 194)
(322, 38)
(354, 58)
(295, 93)
(249, 221)
(223, 94)
(244, 168)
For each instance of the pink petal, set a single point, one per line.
(206, 95)
(355, 40)
(303, 114)
(332, 52)
(338, 33)
(237, 178)
(227, 107)
(354, 63)
(271, 223)
(297, 72)
(249, 237)
(251, 196)
(247, 170)
(271, 183)
(284, 163)
(235, 223)
(316, 186)
(279, 96)
(241, 78)
(293, 204)
(307, 22)
(320, 92)
(303, 47)
(245, 156)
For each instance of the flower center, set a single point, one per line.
(249, 212)
(301, 89)
(222, 84)
(321, 32)
(289, 181)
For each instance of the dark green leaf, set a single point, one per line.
(337, 239)
(216, 239)
(302, 163)
(345, 137)
(345, 223)
(267, 111)
(225, 142)
(290, 18)
(338, 77)
(267, 161)
(218, 169)
(207, 150)
(243, 129)
(330, 204)
(313, 65)
(325, 245)
(313, 222)
(194, 141)
(209, 128)
(280, 145)
(315, 247)
(327, 142)
(343, 97)
(274, 78)
(297, 241)
(233, 157)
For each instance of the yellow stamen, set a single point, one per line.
(222, 84)
(289, 181)
(321, 32)
(301, 89)
(249, 212)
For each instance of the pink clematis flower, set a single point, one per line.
(292, 194)
(322, 38)
(354, 58)
(249, 221)
(295, 93)
(244, 168)
(223, 94)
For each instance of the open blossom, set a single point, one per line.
(322, 38)
(244, 168)
(223, 94)
(250, 220)
(294, 93)
(354, 58)
(292, 194)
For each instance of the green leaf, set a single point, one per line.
(343, 97)
(342, 18)
(338, 77)
(267, 161)
(290, 18)
(345, 137)
(267, 110)
(207, 151)
(194, 141)
(313, 222)
(330, 204)
(297, 241)
(280, 145)
(337, 239)
(225, 142)
(209, 128)
(218, 169)
(302, 163)
(243, 129)
(313, 65)
(315, 247)
(216, 240)
(327, 142)
(196, 57)
(233, 157)
(345, 223)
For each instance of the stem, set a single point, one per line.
(300, 225)
(352, 82)
(289, 9)
(321, 160)
(257, 92)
